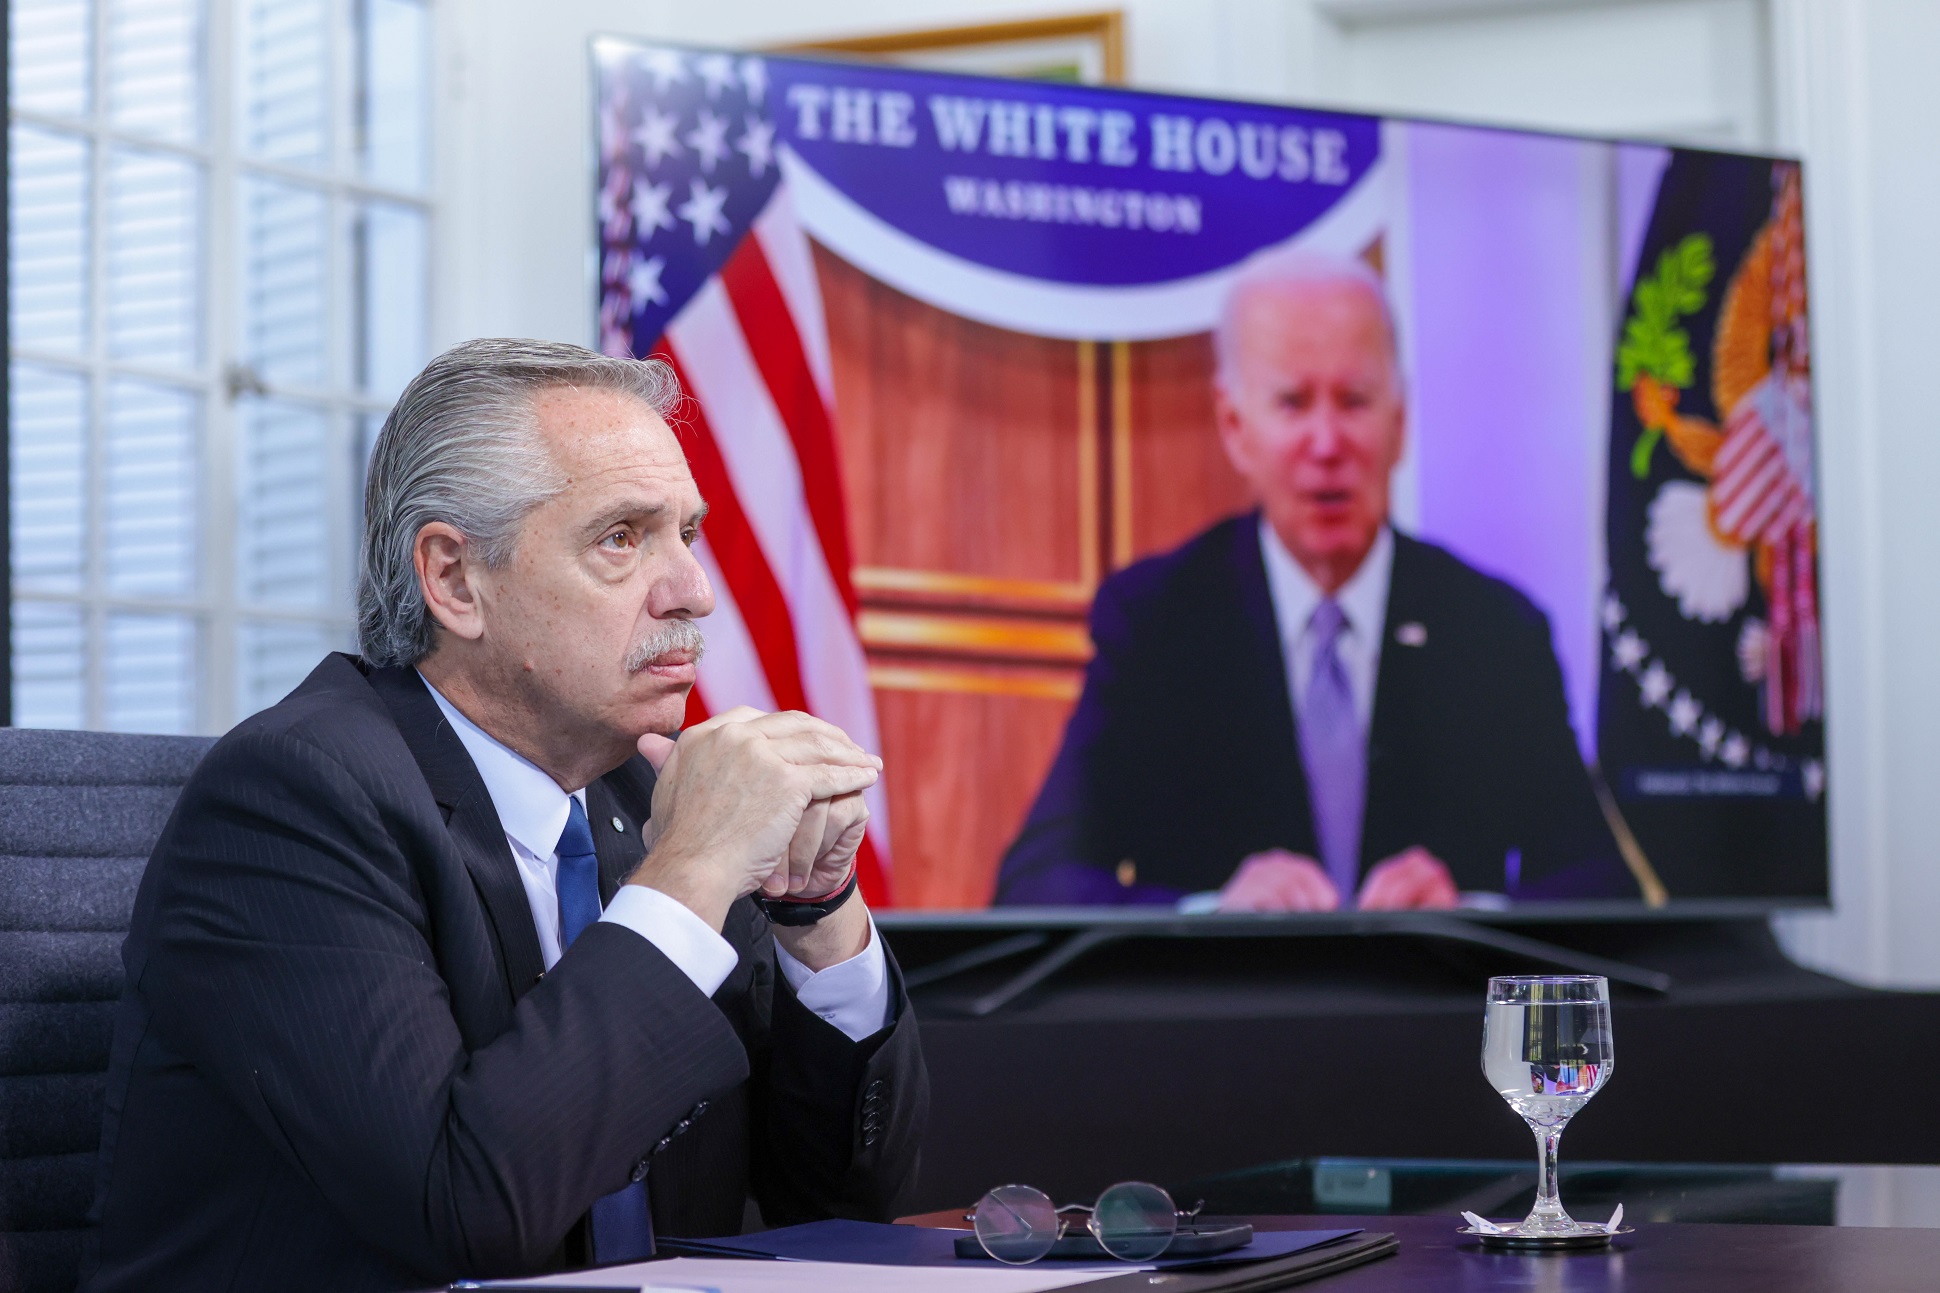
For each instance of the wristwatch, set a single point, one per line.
(804, 911)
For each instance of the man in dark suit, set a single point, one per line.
(1303, 709)
(452, 964)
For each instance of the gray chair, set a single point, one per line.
(79, 814)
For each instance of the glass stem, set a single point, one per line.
(1549, 1207)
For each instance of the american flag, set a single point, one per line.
(702, 264)
(1756, 491)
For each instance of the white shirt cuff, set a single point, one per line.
(853, 995)
(682, 937)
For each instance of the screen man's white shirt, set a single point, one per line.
(1363, 599)
(853, 996)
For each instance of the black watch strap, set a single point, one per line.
(804, 911)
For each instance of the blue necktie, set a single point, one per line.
(1334, 754)
(622, 1227)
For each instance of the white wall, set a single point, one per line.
(1848, 84)
(1858, 98)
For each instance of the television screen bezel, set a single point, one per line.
(1591, 911)
(1599, 911)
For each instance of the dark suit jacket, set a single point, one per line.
(338, 1066)
(1181, 756)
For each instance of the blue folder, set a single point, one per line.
(874, 1244)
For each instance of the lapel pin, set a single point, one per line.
(1413, 634)
(619, 826)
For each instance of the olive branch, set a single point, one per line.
(1653, 345)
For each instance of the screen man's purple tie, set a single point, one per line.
(1334, 754)
(622, 1227)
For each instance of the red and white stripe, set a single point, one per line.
(1754, 493)
(752, 352)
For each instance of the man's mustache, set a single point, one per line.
(673, 636)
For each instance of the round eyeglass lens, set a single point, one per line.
(1134, 1222)
(1016, 1224)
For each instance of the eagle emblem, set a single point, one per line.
(1752, 516)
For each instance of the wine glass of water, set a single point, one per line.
(1546, 1049)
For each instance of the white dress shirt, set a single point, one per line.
(853, 996)
(1363, 599)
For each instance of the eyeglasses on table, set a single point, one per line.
(1132, 1221)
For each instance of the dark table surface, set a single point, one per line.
(1669, 1257)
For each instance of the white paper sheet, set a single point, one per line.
(733, 1275)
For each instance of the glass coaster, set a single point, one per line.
(1511, 1240)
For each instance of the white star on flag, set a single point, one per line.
(1613, 613)
(702, 209)
(643, 283)
(667, 66)
(718, 71)
(758, 143)
(1655, 686)
(1813, 776)
(656, 136)
(1734, 752)
(1628, 652)
(1685, 713)
(754, 75)
(650, 209)
(709, 140)
(1710, 732)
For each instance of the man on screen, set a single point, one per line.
(1303, 709)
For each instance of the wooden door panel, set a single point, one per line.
(1180, 480)
(962, 770)
(961, 443)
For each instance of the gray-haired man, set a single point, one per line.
(405, 1000)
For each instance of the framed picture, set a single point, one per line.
(1080, 49)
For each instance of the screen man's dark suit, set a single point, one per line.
(338, 1066)
(1181, 757)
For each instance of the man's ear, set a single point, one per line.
(446, 569)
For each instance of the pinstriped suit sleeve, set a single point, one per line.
(292, 963)
(838, 1122)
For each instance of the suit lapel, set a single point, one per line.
(474, 823)
(1264, 682)
(617, 805)
(1398, 705)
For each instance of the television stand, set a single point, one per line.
(1059, 953)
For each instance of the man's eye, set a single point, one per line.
(618, 541)
(690, 534)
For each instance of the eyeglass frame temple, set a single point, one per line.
(1186, 1214)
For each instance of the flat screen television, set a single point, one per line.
(1181, 492)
